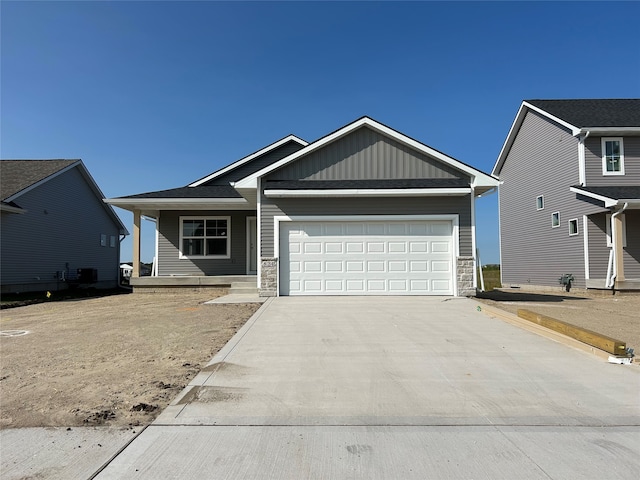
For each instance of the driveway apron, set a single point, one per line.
(393, 387)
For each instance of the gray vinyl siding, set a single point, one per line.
(599, 252)
(365, 155)
(366, 206)
(593, 163)
(169, 261)
(256, 164)
(543, 160)
(60, 232)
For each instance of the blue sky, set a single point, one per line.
(154, 95)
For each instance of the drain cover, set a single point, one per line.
(13, 333)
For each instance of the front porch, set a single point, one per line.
(629, 284)
(234, 283)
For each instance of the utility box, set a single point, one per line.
(87, 275)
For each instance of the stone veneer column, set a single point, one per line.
(466, 272)
(268, 277)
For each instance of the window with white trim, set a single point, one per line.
(205, 237)
(555, 219)
(612, 156)
(540, 202)
(624, 230)
(573, 227)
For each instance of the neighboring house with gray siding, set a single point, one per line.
(365, 210)
(54, 222)
(569, 194)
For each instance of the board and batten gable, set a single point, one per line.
(593, 163)
(169, 261)
(61, 229)
(543, 160)
(365, 154)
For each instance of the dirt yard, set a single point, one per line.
(116, 360)
(616, 316)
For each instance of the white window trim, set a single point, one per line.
(577, 227)
(624, 230)
(552, 225)
(604, 140)
(540, 197)
(182, 256)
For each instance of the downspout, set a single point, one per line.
(612, 258)
(582, 174)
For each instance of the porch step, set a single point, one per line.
(243, 288)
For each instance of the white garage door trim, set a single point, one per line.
(454, 219)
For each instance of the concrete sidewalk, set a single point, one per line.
(390, 387)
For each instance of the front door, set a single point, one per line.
(252, 244)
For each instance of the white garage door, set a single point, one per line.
(366, 258)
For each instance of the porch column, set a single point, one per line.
(617, 247)
(136, 244)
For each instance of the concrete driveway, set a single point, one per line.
(390, 387)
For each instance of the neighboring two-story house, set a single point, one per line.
(55, 230)
(569, 197)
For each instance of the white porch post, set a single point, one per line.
(617, 247)
(136, 244)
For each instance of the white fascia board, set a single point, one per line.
(369, 192)
(608, 202)
(479, 178)
(178, 203)
(248, 158)
(515, 127)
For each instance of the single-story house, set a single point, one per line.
(364, 210)
(55, 230)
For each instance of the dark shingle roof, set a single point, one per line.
(594, 112)
(210, 191)
(16, 175)
(355, 184)
(615, 193)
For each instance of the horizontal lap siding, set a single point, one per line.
(543, 160)
(365, 155)
(632, 250)
(63, 224)
(366, 206)
(169, 262)
(593, 163)
(598, 250)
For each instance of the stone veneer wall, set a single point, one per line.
(268, 277)
(465, 276)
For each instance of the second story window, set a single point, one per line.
(612, 156)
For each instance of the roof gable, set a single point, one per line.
(579, 116)
(365, 154)
(478, 178)
(22, 176)
(261, 158)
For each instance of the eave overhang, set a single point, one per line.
(632, 203)
(151, 206)
(5, 207)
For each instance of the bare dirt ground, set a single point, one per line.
(616, 316)
(116, 360)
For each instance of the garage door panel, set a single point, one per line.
(359, 258)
